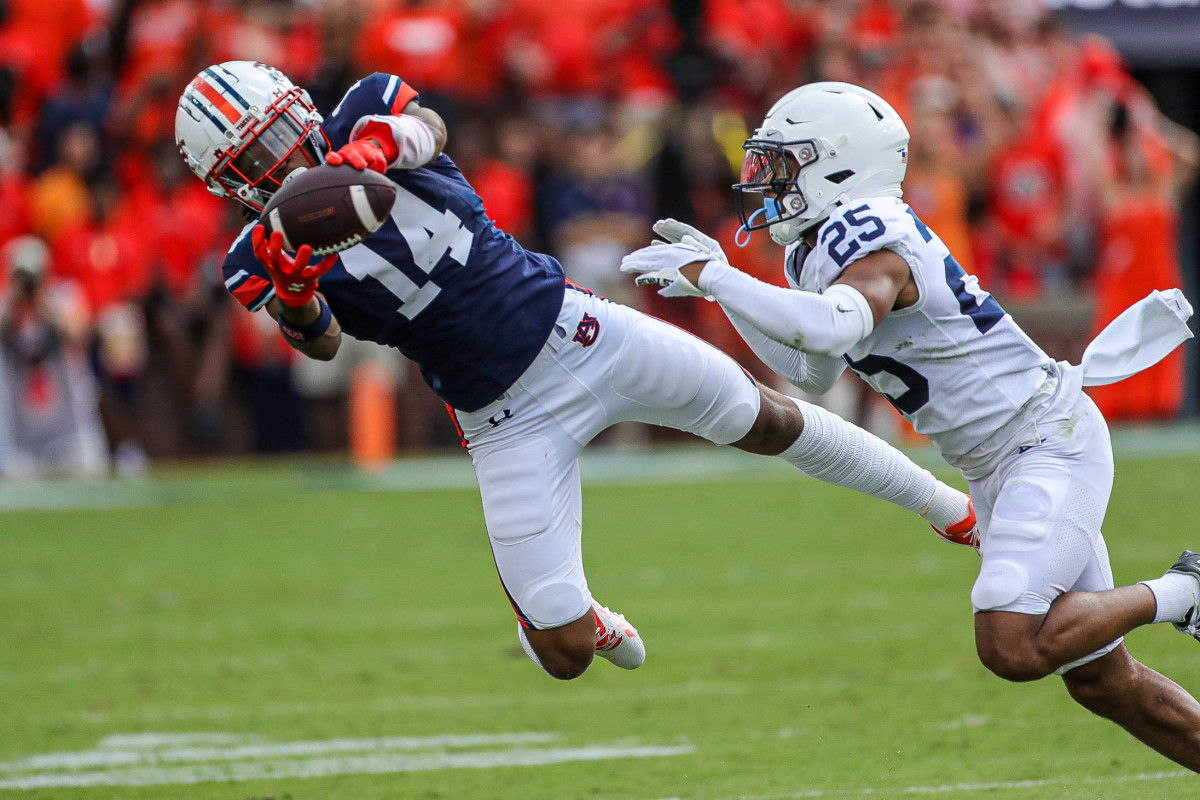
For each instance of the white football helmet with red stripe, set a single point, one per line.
(821, 145)
(242, 126)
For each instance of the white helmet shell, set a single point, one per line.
(238, 121)
(820, 146)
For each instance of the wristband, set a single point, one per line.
(313, 330)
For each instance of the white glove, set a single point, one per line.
(672, 230)
(660, 265)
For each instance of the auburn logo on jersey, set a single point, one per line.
(587, 331)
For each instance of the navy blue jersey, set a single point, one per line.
(439, 281)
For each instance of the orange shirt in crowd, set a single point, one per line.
(110, 260)
(34, 42)
(162, 39)
(187, 228)
(1138, 254)
(296, 50)
(58, 200)
(418, 43)
(507, 194)
(14, 200)
(940, 200)
(1026, 186)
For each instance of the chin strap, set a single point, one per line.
(737, 237)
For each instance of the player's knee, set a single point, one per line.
(1002, 640)
(1000, 584)
(556, 604)
(566, 664)
(1018, 665)
(567, 651)
(778, 425)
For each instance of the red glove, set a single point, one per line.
(360, 154)
(295, 280)
(373, 148)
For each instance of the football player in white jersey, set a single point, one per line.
(873, 288)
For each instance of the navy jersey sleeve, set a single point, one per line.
(245, 277)
(377, 94)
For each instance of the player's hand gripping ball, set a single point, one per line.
(329, 208)
(295, 279)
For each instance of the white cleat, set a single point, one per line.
(617, 640)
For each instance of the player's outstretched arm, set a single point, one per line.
(815, 374)
(404, 141)
(304, 318)
(324, 345)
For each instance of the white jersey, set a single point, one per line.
(954, 364)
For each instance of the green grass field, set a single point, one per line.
(278, 633)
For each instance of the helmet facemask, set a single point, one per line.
(774, 170)
(255, 169)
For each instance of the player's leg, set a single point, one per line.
(524, 448)
(665, 376)
(830, 449)
(1044, 599)
(532, 506)
(1027, 647)
(1152, 707)
(1079, 625)
(1041, 513)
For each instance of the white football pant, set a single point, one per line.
(604, 363)
(1040, 514)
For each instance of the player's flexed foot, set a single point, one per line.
(964, 532)
(1177, 595)
(617, 640)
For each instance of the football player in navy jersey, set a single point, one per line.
(531, 367)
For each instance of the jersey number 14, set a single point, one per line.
(430, 234)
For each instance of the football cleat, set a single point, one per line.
(1189, 564)
(965, 533)
(617, 640)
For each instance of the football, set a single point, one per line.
(329, 208)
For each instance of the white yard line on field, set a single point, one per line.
(159, 759)
(991, 786)
(969, 788)
(340, 765)
(109, 755)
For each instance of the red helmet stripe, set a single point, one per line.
(216, 98)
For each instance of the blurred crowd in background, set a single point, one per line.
(1045, 167)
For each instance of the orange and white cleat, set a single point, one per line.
(617, 640)
(965, 533)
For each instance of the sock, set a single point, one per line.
(1174, 595)
(947, 507)
(527, 647)
(832, 450)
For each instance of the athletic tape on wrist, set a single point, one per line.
(313, 330)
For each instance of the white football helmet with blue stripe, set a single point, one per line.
(819, 146)
(242, 126)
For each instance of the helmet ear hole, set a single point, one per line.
(838, 177)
